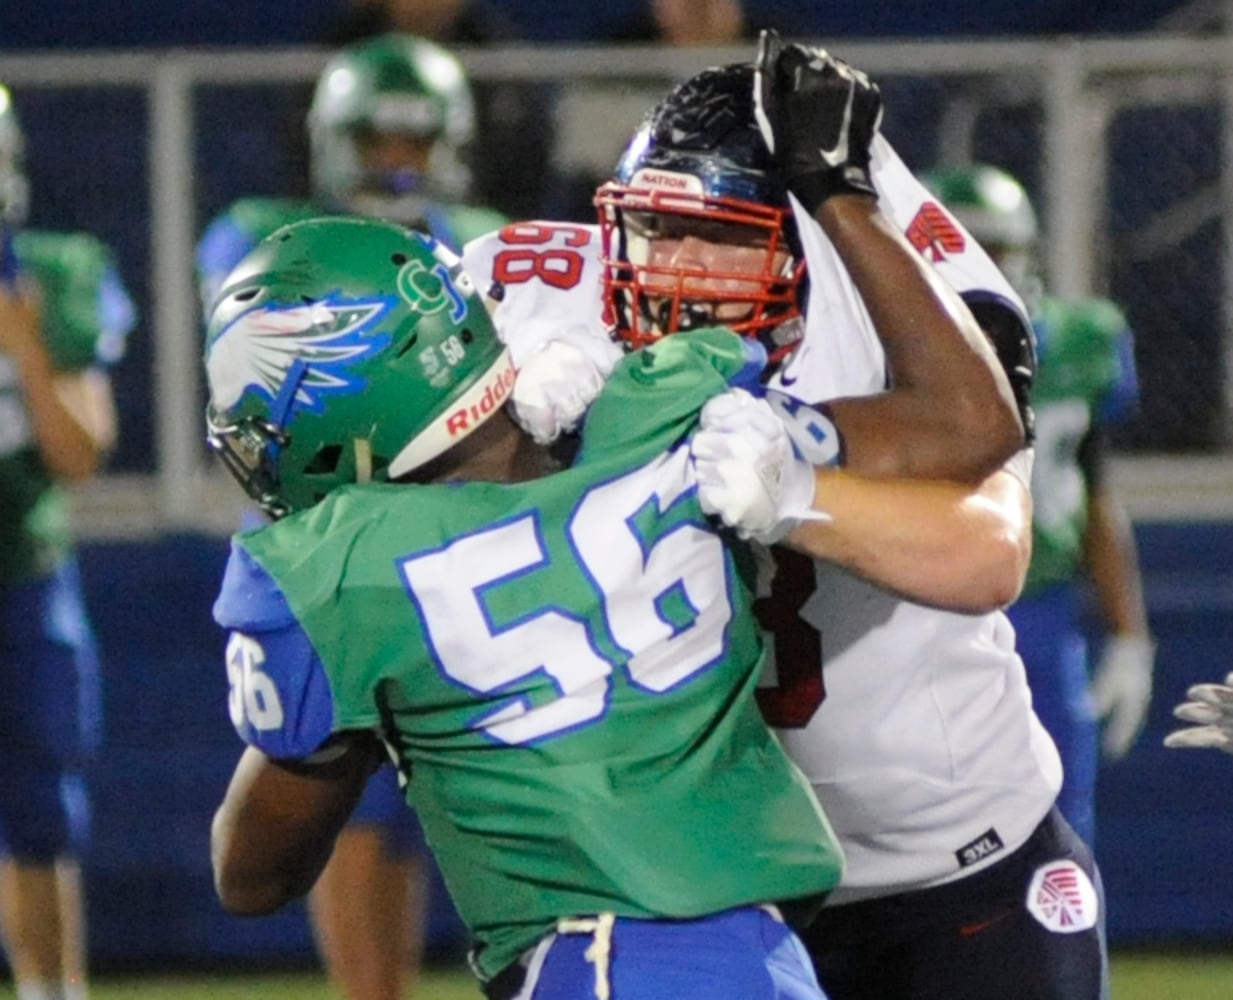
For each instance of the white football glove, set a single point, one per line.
(1122, 690)
(748, 472)
(1210, 708)
(559, 381)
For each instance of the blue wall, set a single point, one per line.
(124, 24)
(1161, 812)
(169, 750)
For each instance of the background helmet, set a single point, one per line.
(993, 206)
(345, 350)
(14, 188)
(697, 159)
(393, 84)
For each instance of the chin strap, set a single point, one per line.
(280, 406)
(363, 460)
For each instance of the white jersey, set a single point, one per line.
(924, 751)
(919, 738)
(543, 281)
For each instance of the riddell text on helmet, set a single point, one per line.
(465, 418)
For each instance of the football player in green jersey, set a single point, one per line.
(389, 127)
(64, 317)
(1085, 382)
(562, 666)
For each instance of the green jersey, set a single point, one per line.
(1086, 377)
(564, 670)
(86, 316)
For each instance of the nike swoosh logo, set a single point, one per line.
(835, 156)
(795, 362)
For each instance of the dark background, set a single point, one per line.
(123, 23)
(169, 747)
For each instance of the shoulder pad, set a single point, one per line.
(280, 700)
(249, 599)
(1014, 341)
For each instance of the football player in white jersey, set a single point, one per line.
(908, 707)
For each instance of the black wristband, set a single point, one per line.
(813, 188)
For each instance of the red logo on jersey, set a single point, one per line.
(934, 233)
(1062, 898)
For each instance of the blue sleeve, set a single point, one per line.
(749, 377)
(280, 699)
(249, 599)
(117, 317)
(1123, 395)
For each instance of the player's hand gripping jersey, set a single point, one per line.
(541, 281)
(424, 613)
(913, 724)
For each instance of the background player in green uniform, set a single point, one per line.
(390, 129)
(563, 667)
(64, 317)
(1086, 381)
(390, 126)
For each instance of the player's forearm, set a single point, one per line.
(271, 836)
(70, 447)
(937, 543)
(951, 406)
(65, 444)
(245, 889)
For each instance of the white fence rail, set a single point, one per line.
(1076, 90)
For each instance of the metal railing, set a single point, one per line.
(1079, 87)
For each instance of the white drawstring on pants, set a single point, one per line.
(599, 953)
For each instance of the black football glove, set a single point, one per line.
(818, 117)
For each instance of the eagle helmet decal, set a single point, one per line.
(322, 341)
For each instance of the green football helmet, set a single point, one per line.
(993, 206)
(344, 350)
(390, 85)
(14, 188)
